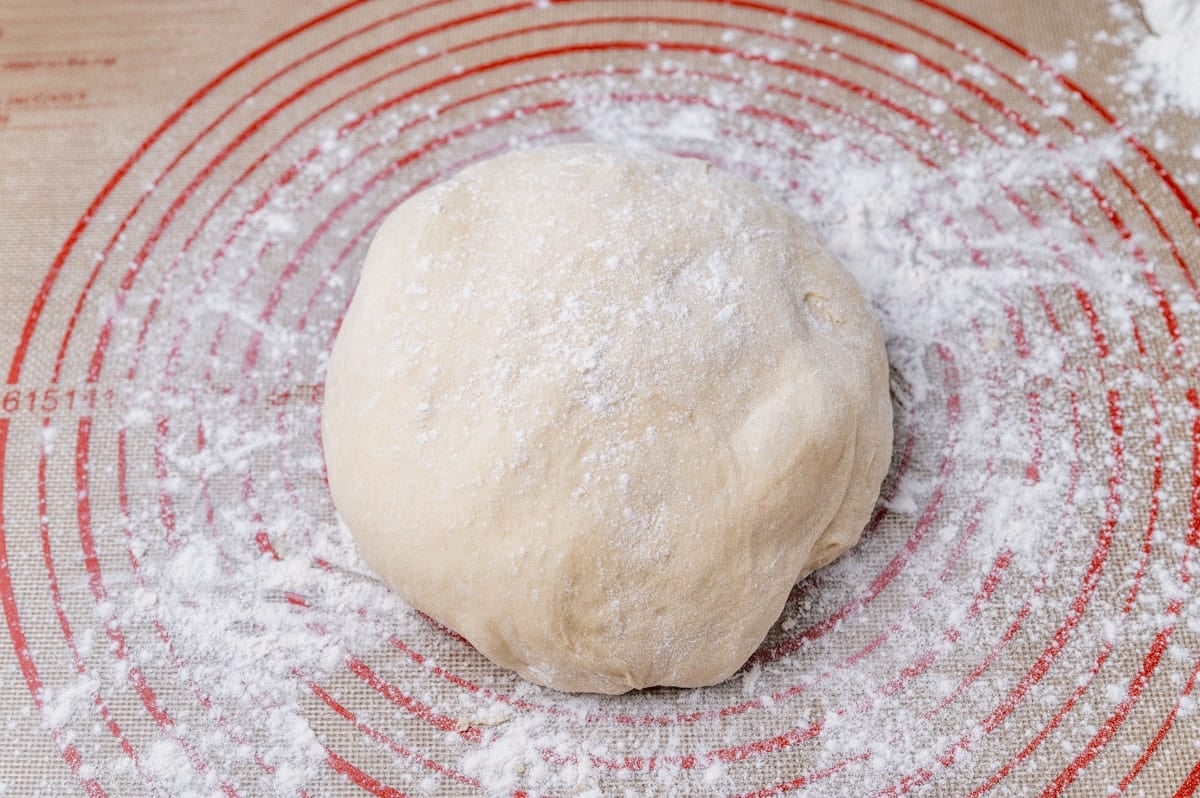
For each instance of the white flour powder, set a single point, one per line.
(1172, 52)
(997, 277)
(1166, 59)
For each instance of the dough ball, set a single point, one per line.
(598, 410)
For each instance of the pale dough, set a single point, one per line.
(598, 410)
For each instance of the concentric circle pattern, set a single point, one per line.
(1016, 619)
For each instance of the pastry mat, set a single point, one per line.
(187, 192)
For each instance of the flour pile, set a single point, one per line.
(1165, 59)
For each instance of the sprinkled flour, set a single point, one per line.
(1170, 52)
(1016, 312)
(1166, 59)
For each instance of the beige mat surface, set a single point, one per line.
(186, 191)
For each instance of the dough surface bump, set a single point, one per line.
(597, 410)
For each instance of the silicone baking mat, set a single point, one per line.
(187, 193)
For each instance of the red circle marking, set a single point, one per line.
(168, 515)
(5, 585)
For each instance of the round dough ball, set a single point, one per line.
(598, 410)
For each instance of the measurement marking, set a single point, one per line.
(51, 400)
(30, 61)
(46, 99)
